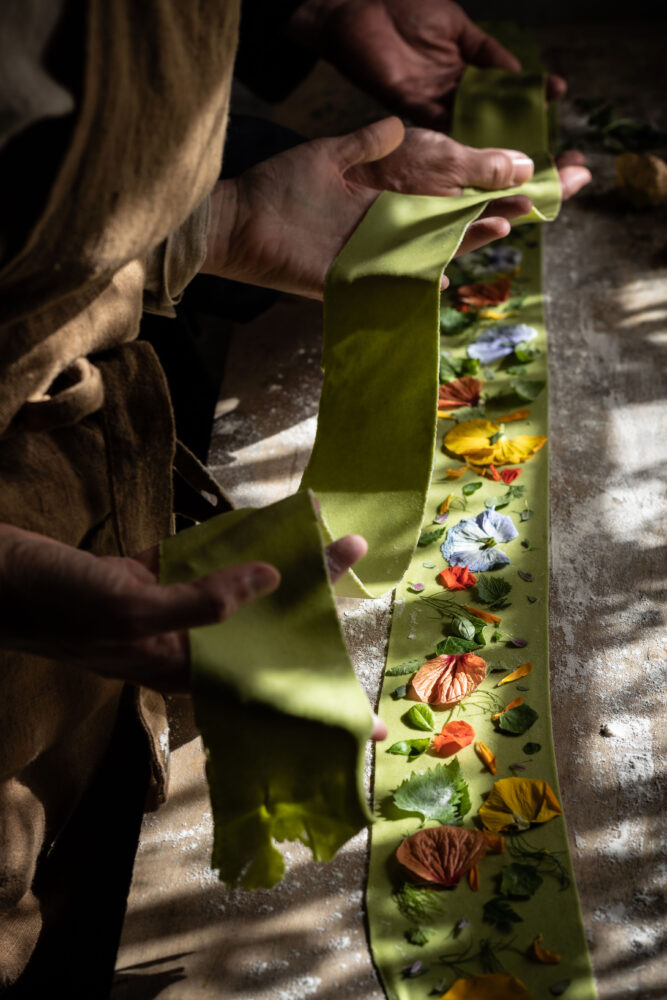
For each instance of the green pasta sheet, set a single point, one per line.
(282, 715)
(372, 458)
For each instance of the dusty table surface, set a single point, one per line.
(186, 936)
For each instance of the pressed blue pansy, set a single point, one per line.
(491, 260)
(474, 542)
(499, 341)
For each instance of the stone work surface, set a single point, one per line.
(186, 936)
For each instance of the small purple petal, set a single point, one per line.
(517, 767)
(515, 641)
(441, 518)
(462, 923)
(416, 588)
(416, 969)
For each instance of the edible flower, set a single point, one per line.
(473, 878)
(496, 842)
(486, 616)
(499, 341)
(543, 955)
(442, 854)
(482, 442)
(511, 418)
(457, 578)
(459, 392)
(509, 475)
(489, 293)
(453, 737)
(456, 473)
(487, 986)
(521, 671)
(473, 542)
(445, 680)
(512, 704)
(518, 802)
(491, 260)
(487, 757)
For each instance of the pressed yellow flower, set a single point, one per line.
(488, 986)
(518, 802)
(473, 441)
(517, 674)
(486, 756)
(541, 954)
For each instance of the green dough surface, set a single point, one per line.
(283, 718)
(371, 462)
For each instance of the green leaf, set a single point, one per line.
(421, 717)
(557, 989)
(400, 692)
(516, 492)
(525, 353)
(465, 628)
(451, 368)
(428, 537)
(525, 575)
(517, 720)
(526, 515)
(500, 914)
(525, 543)
(531, 748)
(454, 321)
(527, 389)
(497, 502)
(454, 646)
(417, 903)
(519, 881)
(409, 748)
(491, 589)
(516, 370)
(470, 488)
(406, 667)
(439, 794)
(419, 935)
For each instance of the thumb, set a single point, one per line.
(369, 143)
(492, 169)
(206, 601)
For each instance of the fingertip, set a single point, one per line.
(379, 730)
(556, 87)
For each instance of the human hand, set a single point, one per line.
(408, 55)
(282, 223)
(110, 614)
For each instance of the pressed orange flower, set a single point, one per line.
(509, 475)
(484, 293)
(487, 986)
(487, 757)
(457, 578)
(522, 671)
(515, 803)
(456, 473)
(473, 878)
(442, 854)
(445, 680)
(486, 616)
(512, 704)
(496, 842)
(453, 737)
(511, 417)
(543, 955)
(478, 442)
(459, 392)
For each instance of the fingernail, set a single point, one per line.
(523, 168)
(262, 580)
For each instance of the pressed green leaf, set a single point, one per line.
(421, 717)
(526, 353)
(497, 501)
(527, 389)
(526, 515)
(516, 370)
(490, 589)
(470, 488)
(451, 368)
(519, 881)
(527, 577)
(407, 667)
(557, 989)
(500, 914)
(465, 628)
(430, 536)
(517, 720)
(409, 748)
(399, 692)
(454, 321)
(419, 935)
(515, 490)
(439, 794)
(453, 645)
(417, 903)
(531, 748)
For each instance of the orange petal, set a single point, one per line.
(521, 671)
(456, 473)
(486, 616)
(456, 578)
(453, 737)
(496, 842)
(442, 854)
(487, 757)
(473, 878)
(495, 475)
(444, 506)
(541, 954)
(515, 415)
(487, 986)
(445, 680)
(513, 704)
